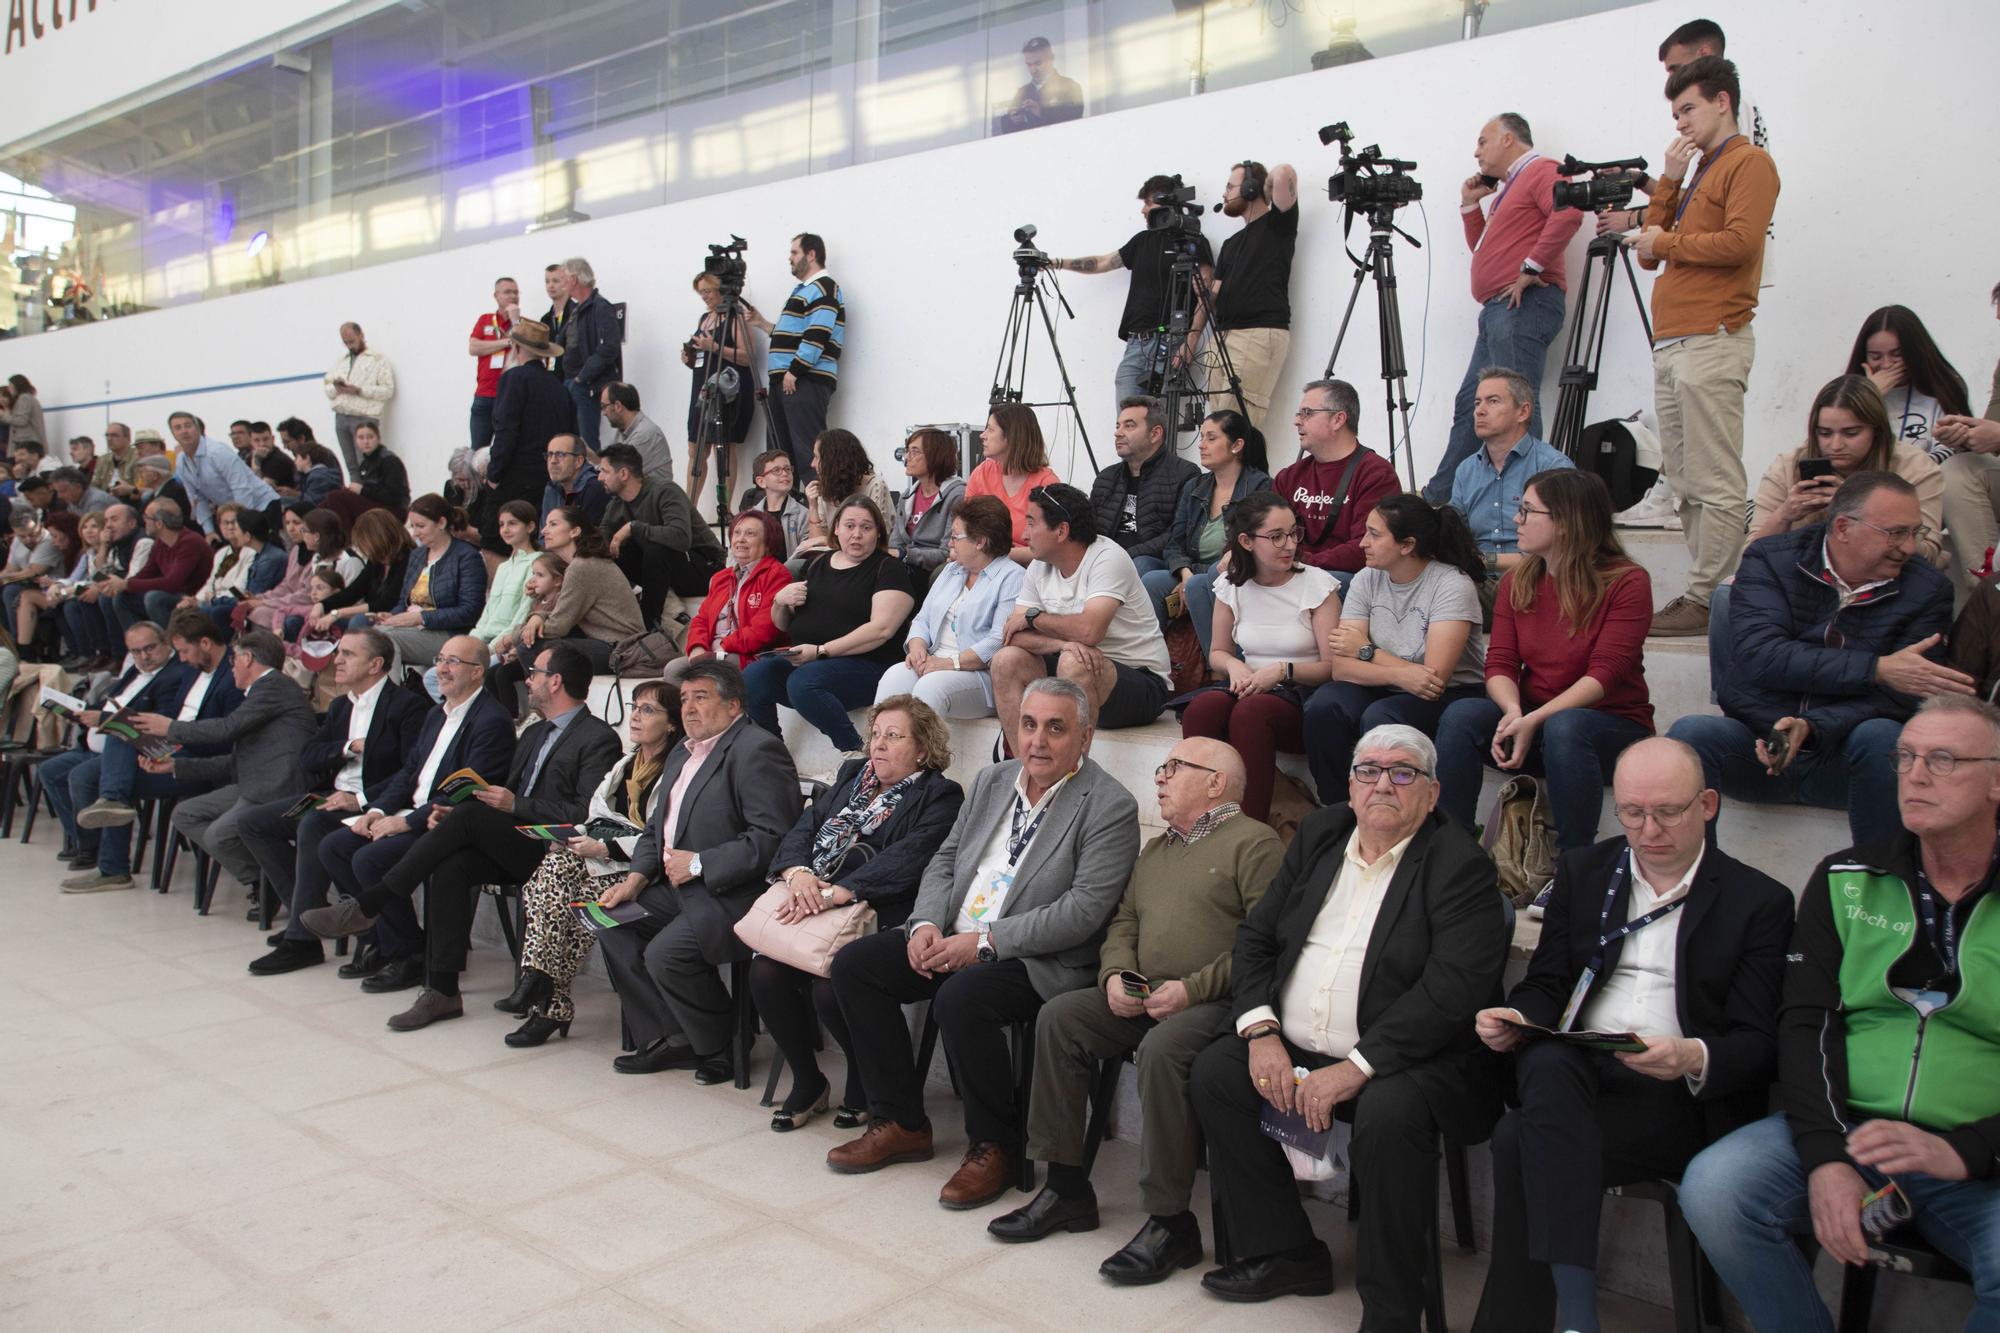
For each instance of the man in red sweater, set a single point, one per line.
(1517, 274)
(178, 564)
(1335, 481)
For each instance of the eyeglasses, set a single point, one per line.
(1526, 509)
(1042, 492)
(1900, 533)
(1172, 767)
(447, 659)
(1305, 412)
(886, 737)
(1666, 816)
(648, 710)
(1939, 762)
(1402, 775)
(1289, 537)
(539, 671)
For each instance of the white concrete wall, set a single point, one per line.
(1875, 134)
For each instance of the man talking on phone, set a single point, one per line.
(1161, 997)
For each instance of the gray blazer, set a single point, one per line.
(1067, 885)
(264, 734)
(732, 815)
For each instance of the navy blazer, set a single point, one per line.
(168, 683)
(458, 586)
(484, 744)
(392, 733)
(221, 701)
(530, 407)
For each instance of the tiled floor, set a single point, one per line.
(185, 1146)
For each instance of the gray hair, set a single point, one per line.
(168, 514)
(1966, 706)
(1516, 124)
(262, 647)
(580, 269)
(1394, 736)
(1853, 494)
(378, 645)
(1341, 397)
(724, 676)
(1155, 410)
(1518, 387)
(1064, 689)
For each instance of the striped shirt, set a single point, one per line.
(807, 336)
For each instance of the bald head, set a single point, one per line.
(1663, 803)
(461, 667)
(1200, 774)
(1661, 756)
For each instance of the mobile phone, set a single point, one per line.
(1811, 469)
(1136, 986)
(1488, 181)
(1779, 744)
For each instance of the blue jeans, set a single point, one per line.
(134, 608)
(1573, 752)
(85, 628)
(1138, 368)
(587, 412)
(10, 598)
(1856, 776)
(1339, 713)
(1746, 1196)
(56, 775)
(482, 422)
(119, 779)
(1513, 339)
(820, 692)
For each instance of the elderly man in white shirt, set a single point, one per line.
(1355, 981)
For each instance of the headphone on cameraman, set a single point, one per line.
(1255, 181)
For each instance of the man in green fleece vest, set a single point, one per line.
(1888, 1049)
(1162, 983)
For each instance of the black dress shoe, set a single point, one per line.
(1048, 1211)
(660, 1058)
(367, 961)
(1304, 1272)
(850, 1117)
(714, 1069)
(538, 1029)
(402, 974)
(289, 956)
(1155, 1253)
(531, 991)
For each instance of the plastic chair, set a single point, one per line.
(1908, 1254)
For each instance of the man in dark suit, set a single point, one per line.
(1011, 914)
(152, 675)
(361, 747)
(731, 794)
(1619, 954)
(1381, 937)
(207, 693)
(558, 763)
(261, 740)
(470, 729)
(530, 408)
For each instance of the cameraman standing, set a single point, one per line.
(1252, 291)
(1710, 236)
(1149, 255)
(1517, 276)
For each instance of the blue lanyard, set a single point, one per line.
(1707, 161)
(1945, 941)
(1018, 838)
(1606, 935)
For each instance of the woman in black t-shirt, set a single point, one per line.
(846, 622)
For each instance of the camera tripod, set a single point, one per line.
(713, 405)
(1585, 353)
(1380, 264)
(1186, 292)
(1010, 368)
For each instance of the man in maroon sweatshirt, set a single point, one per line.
(178, 564)
(1335, 481)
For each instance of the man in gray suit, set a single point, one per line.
(731, 794)
(264, 736)
(1011, 913)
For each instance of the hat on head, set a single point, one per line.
(532, 336)
(147, 435)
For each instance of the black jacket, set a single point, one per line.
(590, 341)
(901, 848)
(1161, 479)
(530, 408)
(385, 480)
(392, 733)
(1433, 960)
(484, 744)
(561, 794)
(1729, 963)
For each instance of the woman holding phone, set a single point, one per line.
(554, 943)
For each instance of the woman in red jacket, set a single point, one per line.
(734, 621)
(1565, 668)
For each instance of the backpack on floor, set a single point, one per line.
(1625, 455)
(1520, 836)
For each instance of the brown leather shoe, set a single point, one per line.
(884, 1143)
(986, 1173)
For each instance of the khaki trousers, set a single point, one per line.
(1971, 514)
(1698, 386)
(1258, 356)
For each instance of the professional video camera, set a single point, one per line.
(1368, 182)
(1029, 258)
(1174, 210)
(725, 264)
(1610, 184)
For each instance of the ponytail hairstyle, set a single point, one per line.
(1244, 518)
(440, 511)
(591, 543)
(1439, 531)
(1236, 428)
(1587, 558)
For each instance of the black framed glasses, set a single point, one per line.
(1288, 537)
(1402, 775)
(1172, 767)
(1666, 816)
(539, 671)
(1939, 762)
(1524, 509)
(1305, 412)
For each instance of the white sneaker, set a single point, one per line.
(1541, 902)
(1656, 509)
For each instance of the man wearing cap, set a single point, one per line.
(530, 408)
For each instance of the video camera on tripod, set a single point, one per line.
(1610, 184)
(725, 264)
(1030, 259)
(1174, 210)
(1035, 285)
(1368, 182)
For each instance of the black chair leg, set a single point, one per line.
(34, 804)
(142, 837)
(1461, 1195)
(1683, 1270)
(1103, 1091)
(509, 927)
(1857, 1298)
(1434, 1318)
(771, 1083)
(746, 1020)
(267, 904)
(1021, 1050)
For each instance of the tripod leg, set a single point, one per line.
(1069, 386)
(1353, 295)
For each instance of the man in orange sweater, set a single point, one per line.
(1710, 235)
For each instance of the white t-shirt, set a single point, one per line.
(1400, 615)
(1274, 624)
(1915, 416)
(1133, 638)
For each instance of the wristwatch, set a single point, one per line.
(1365, 653)
(986, 953)
(1268, 1028)
(694, 865)
(1029, 615)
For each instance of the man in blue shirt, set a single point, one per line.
(1487, 486)
(214, 474)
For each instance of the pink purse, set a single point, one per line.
(807, 945)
